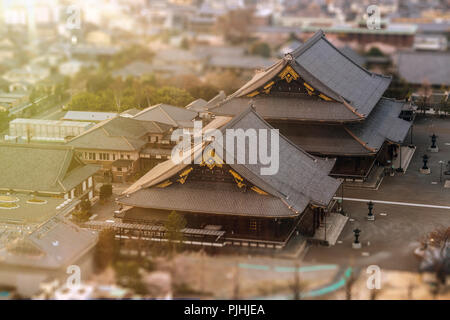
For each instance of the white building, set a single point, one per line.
(89, 116)
(45, 130)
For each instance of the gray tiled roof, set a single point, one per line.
(273, 107)
(353, 55)
(417, 67)
(360, 138)
(119, 133)
(301, 180)
(382, 124)
(57, 243)
(165, 113)
(324, 139)
(329, 71)
(208, 197)
(41, 168)
(197, 105)
(335, 71)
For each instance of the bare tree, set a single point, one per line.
(349, 286)
(236, 288)
(296, 285)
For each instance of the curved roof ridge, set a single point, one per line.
(321, 35)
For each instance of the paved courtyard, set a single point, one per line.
(390, 239)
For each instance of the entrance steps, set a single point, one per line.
(328, 233)
(407, 154)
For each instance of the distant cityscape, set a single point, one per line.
(96, 97)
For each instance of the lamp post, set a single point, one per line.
(370, 216)
(356, 244)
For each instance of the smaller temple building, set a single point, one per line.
(234, 202)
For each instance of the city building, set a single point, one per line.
(168, 114)
(45, 170)
(328, 105)
(424, 67)
(119, 144)
(11, 100)
(24, 78)
(26, 130)
(45, 254)
(92, 116)
(232, 204)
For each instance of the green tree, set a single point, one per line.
(185, 44)
(105, 191)
(171, 95)
(128, 275)
(4, 119)
(105, 250)
(98, 82)
(375, 52)
(261, 49)
(174, 224)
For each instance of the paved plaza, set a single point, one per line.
(389, 241)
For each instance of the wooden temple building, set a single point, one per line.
(232, 203)
(327, 104)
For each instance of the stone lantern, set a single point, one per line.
(370, 215)
(425, 169)
(434, 147)
(356, 244)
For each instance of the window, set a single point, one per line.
(119, 168)
(128, 156)
(104, 156)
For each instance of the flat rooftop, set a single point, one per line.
(16, 208)
(52, 122)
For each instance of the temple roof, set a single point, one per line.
(168, 114)
(44, 168)
(382, 124)
(209, 197)
(332, 140)
(119, 133)
(332, 70)
(325, 70)
(289, 108)
(301, 180)
(360, 138)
